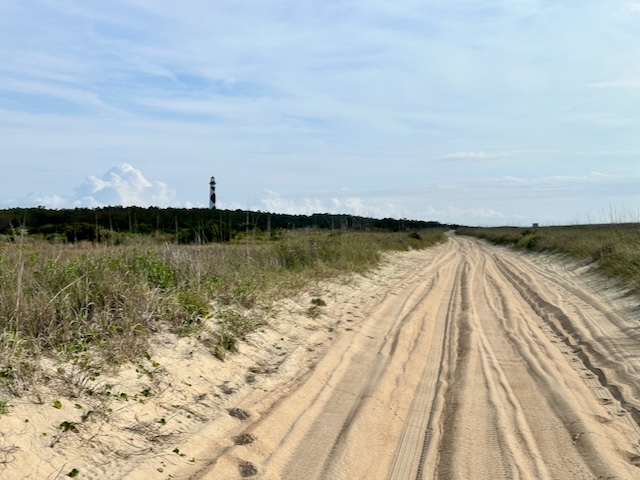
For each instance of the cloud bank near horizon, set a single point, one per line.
(122, 185)
(125, 185)
(449, 203)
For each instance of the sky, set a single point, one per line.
(476, 112)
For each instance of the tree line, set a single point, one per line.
(194, 225)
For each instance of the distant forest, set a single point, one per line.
(197, 225)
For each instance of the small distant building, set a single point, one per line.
(212, 193)
(535, 225)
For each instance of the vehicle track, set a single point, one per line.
(481, 363)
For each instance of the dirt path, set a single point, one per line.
(481, 363)
(457, 362)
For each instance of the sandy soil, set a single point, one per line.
(462, 361)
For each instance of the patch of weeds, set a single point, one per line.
(87, 415)
(64, 428)
(157, 272)
(238, 324)
(150, 372)
(318, 302)
(529, 240)
(154, 364)
(196, 307)
(57, 404)
(315, 310)
(73, 473)
(4, 407)
(245, 294)
(82, 376)
(223, 343)
(68, 427)
(17, 376)
(607, 249)
(6, 371)
(177, 452)
(147, 392)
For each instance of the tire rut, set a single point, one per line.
(478, 364)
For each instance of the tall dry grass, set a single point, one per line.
(614, 248)
(86, 301)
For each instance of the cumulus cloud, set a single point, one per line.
(274, 202)
(453, 203)
(122, 185)
(471, 216)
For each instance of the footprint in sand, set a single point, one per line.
(244, 439)
(239, 413)
(247, 469)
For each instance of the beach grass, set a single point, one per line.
(88, 301)
(614, 249)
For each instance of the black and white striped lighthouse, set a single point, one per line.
(212, 194)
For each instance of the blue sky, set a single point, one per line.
(474, 112)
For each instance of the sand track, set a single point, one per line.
(478, 362)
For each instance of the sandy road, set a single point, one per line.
(480, 363)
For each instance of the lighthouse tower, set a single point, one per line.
(212, 194)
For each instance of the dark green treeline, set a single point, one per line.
(197, 225)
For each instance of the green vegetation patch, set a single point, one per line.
(614, 247)
(96, 304)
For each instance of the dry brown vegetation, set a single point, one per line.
(614, 247)
(92, 306)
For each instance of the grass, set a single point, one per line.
(615, 248)
(93, 305)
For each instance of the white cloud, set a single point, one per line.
(122, 185)
(274, 202)
(483, 213)
(464, 215)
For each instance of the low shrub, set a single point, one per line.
(614, 247)
(107, 300)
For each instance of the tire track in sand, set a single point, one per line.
(531, 413)
(479, 364)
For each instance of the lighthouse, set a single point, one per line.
(212, 193)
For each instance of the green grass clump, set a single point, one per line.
(85, 300)
(615, 247)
